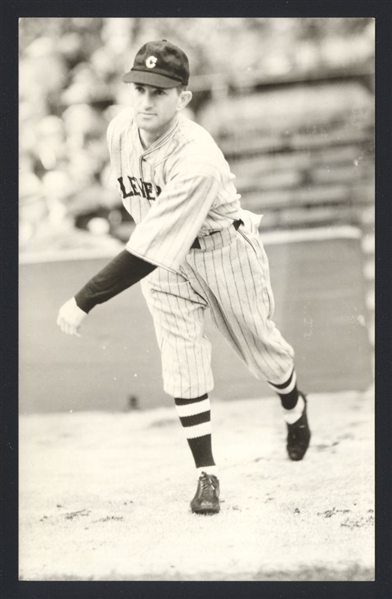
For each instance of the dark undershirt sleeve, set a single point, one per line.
(122, 272)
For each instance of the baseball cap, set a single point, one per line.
(160, 64)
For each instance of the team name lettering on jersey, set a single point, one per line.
(137, 187)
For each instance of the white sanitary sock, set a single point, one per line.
(295, 414)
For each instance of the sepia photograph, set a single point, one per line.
(196, 299)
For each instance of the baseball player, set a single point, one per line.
(194, 248)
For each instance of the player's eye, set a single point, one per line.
(159, 92)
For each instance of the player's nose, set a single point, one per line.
(147, 100)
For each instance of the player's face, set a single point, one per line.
(155, 108)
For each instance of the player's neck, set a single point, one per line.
(148, 138)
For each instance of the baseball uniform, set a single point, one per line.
(177, 190)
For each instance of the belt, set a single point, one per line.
(196, 244)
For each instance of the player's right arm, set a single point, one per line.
(121, 273)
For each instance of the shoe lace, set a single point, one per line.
(207, 481)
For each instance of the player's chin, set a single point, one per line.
(148, 122)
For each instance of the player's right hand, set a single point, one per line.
(70, 317)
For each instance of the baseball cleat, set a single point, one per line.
(298, 436)
(206, 500)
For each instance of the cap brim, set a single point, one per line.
(150, 78)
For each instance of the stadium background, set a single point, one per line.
(293, 110)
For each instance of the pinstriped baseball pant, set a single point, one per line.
(230, 276)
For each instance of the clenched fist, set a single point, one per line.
(70, 317)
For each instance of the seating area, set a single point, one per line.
(303, 157)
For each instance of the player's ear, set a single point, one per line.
(183, 99)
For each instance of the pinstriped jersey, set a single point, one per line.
(178, 189)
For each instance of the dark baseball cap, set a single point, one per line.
(160, 64)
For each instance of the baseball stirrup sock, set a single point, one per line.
(195, 417)
(287, 391)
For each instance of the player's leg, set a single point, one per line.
(294, 403)
(178, 314)
(235, 278)
(195, 417)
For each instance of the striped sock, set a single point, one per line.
(287, 391)
(195, 417)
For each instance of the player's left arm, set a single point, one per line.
(121, 273)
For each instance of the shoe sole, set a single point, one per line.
(297, 457)
(206, 509)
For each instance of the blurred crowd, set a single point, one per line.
(70, 88)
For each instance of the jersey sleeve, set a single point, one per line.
(165, 236)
